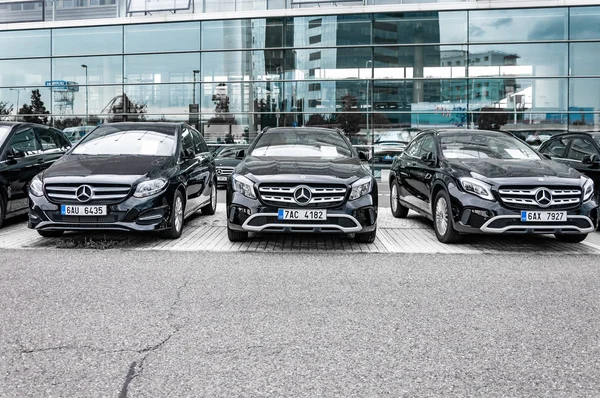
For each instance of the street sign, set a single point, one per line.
(62, 85)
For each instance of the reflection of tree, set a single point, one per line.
(36, 108)
(62, 124)
(123, 109)
(5, 109)
(350, 120)
(492, 118)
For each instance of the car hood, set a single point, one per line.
(271, 169)
(126, 169)
(227, 162)
(504, 170)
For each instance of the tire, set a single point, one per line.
(2, 209)
(398, 210)
(50, 234)
(366, 237)
(571, 238)
(236, 236)
(211, 207)
(442, 219)
(176, 220)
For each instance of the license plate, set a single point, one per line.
(543, 216)
(284, 214)
(68, 210)
(221, 178)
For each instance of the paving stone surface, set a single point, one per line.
(208, 233)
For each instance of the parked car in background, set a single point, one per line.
(474, 181)
(390, 144)
(226, 161)
(25, 150)
(303, 179)
(535, 138)
(580, 151)
(74, 134)
(126, 176)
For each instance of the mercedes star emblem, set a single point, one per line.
(302, 195)
(84, 193)
(543, 197)
(219, 171)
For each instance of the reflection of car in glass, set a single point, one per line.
(226, 161)
(534, 138)
(304, 179)
(74, 134)
(126, 176)
(25, 150)
(389, 145)
(475, 181)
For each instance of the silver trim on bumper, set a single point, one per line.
(542, 226)
(251, 228)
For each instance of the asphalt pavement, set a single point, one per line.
(118, 323)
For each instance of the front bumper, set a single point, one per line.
(471, 214)
(357, 216)
(133, 214)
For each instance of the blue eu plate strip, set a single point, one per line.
(63, 209)
(280, 214)
(523, 216)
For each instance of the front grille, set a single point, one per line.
(524, 198)
(225, 171)
(109, 218)
(263, 220)
(102, 194)
(322, 195)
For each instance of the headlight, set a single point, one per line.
(588, 189)
(360, 188)
(36, 187)
(244, 186)
(476, 187)
(150, 187)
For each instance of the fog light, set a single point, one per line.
(33, 216)
(481, 213)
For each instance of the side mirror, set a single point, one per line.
(15, 153)
(590, 159)
(187, 154)
(547, 156)
(240, 154)
(365, 156)
(428, 158)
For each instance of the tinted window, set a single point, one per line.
(187, 143)
(112, 141)
(4, 130)
(557, 148)
(296, 143)
(199, 142)
(228, 153)
(48, 139)
(413, 148)
(473, 146)
(581, 148)
(24, 142)
(427, 147)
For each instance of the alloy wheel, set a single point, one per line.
(178, 213)
(394, 203)
(441, 216)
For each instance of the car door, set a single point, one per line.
(407, 172)
(583, 147)
(191, 171)
(424, 171)
(207, 164)
(23, 159)
(54, 144)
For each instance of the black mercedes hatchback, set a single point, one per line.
(126, 176)
(302, 180)
(473, 181)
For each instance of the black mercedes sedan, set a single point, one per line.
(226, 161)
(25, 150)
(302, 180)
(473, 181)
(129, 177)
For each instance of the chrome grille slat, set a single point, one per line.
(321, 194)
(225, 171)
(101, 193)
(525, 197)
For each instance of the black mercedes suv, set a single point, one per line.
(302, 180)
(25, 150)
(126, 176)
(473, 181)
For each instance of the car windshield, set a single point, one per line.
(396, 136)
(111, 141)
(495, 146)
(298, 143)
(228, 153)
(4, 130)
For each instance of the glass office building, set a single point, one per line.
(233, 68)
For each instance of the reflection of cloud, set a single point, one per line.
(476, 31)
(500, 22)
(547, 30)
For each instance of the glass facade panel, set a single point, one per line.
(420, 61)
(162, 68)
(27, 43)
(583, 95)
(547, 59)
(162, 98)
(584, 23)
(419, 95)
(16, 97)
(326, 96)
(331, 63)
(230, 34)
(87, 41)
(100, 70)
(340, 30)
(160, 37)
(535, 24)
(584, 59)
(24, 72)
(420, 27)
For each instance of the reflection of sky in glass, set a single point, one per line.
(34, 43)
(87, 41)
